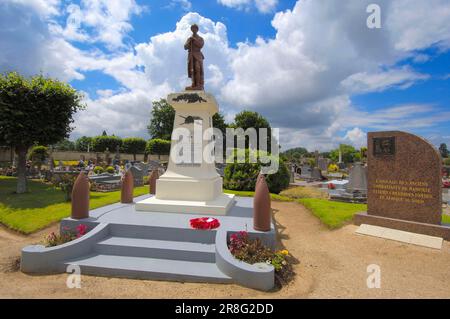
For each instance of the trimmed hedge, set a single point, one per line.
(101, 143)
(158, 146)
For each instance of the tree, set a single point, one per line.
(219, 122)
(34, 110)
(83, 144)
(134, 145)
(102, 143)
(158, 146)
(295, 154)
(349, 154)
(161, 121)
(162, 118)
(64, 145)
(443, 150)
(250, 119)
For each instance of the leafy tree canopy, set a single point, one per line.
(349, 154)
(37, 110)
(249, 119)
(294, 154)
(34, 110)
(161, 121)
(162, 118)
(443, 150)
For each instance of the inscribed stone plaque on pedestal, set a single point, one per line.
(404, 178)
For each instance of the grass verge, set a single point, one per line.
(333, 214)
(274, 197)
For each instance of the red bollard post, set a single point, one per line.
(126, 194)
(80, 197)
(152, 181)
(261, 205)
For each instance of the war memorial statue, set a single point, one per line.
(195, 59)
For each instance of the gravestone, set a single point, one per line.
(404, 184)
(306, 172)
(323, 163)
(357, 180)
(145, 167)
(316, 174)
(356, 188)
(138, 175)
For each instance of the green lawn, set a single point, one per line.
(43, 204)
(332, 214)
(336, 214)
(275, 197)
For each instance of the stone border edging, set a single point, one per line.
(242, 273)
(40, 259)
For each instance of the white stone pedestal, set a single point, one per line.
(193, 186)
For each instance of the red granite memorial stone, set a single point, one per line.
(404, 184)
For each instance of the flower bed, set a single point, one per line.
(54, 239)
(253, 251)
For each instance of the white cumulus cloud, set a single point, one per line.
(263, 6)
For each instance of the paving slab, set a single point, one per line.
(400, 236)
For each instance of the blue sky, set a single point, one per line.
(312, 67)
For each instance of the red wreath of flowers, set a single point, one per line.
(204, 223)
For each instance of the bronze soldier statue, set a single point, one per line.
(195, 59)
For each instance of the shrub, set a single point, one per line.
(242, 176)
(110, 170)
(38, 154)
(447, 162)
(66, 183)
(158, 146)
(70, 163)
(333, 168)
(98, 170)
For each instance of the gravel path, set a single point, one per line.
(332, 264)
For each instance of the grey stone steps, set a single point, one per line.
(154, 248)
(163, 233)
(149, 268)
